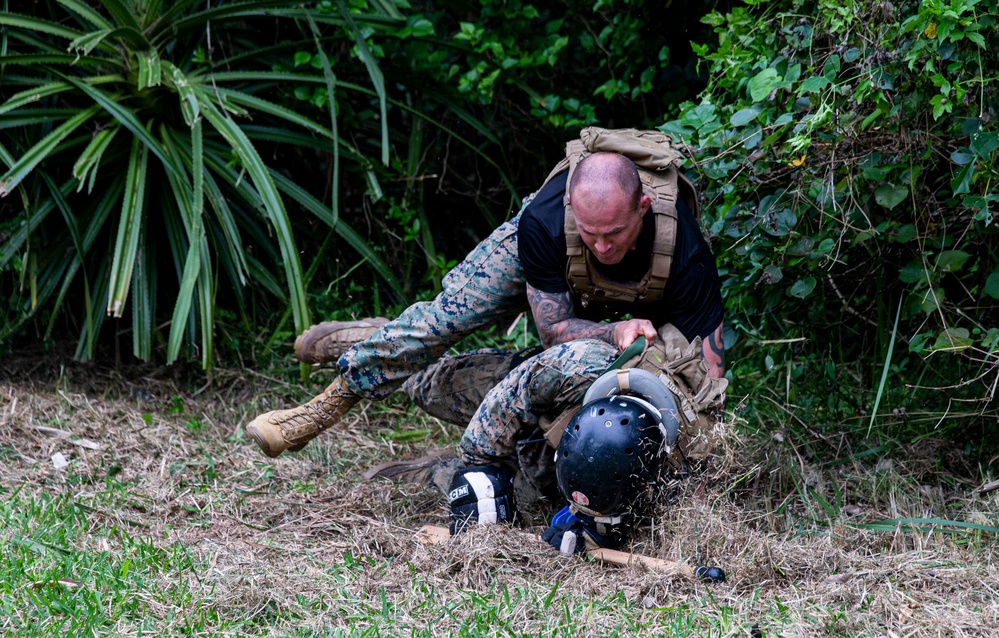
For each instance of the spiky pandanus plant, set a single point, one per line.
(141, 124)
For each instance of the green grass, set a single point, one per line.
(66, 570)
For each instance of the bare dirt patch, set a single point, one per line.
(302, 544)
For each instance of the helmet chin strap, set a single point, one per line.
(576, 508)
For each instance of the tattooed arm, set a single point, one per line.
(557, 322)
(714, 352)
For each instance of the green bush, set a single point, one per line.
(848, 151)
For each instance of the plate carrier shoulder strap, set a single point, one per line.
(658, 167)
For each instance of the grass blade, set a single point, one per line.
(923, 525)
(884, 371)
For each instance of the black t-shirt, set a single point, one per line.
(691, 300)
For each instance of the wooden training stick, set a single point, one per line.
(433, 535)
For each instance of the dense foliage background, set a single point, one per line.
(845, 153)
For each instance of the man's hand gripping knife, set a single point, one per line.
(483, 495)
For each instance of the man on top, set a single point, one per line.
(525, 259)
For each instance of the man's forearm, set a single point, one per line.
(555, 319)
(571, 329)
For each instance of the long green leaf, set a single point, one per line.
(90, 41)
(41, 150)
(99, 217)
(273, 205)
(92, 325)
(150, 69)
(122, 13)
(37, 24)
(90, 158)
(85, 12)
(263, 8)
(188, 98)
(331, 103)
(463, 114)
(36, 215)
(33, 95)
(374, 71)
(347, 233)
(143, 297)
(81, 251)
(30, 117)
(227, 225)
(206, 303)
(192, 264)
(286, 136)
(75, 61)
(263, 106)
(163, 25)
(388, 8)
(206, 306)
(126, 245)
(127, 118)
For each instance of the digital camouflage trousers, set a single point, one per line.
(497, 394)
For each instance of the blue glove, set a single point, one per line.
(565, 533)
(568, 532)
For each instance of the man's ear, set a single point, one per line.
(644, 204)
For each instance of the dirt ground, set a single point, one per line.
(788, 532)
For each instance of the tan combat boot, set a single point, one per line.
(325, 342)
(280, 430)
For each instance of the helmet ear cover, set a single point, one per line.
(610, 454)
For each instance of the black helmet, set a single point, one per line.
(610, 453)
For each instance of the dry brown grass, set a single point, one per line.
(303, 545)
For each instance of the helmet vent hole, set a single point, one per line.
(600, 411)
(629, 451)
(625, 421)
(577, 427)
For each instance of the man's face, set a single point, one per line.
(610, 227)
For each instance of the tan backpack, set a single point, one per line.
(679, 364)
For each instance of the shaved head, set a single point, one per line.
(608, 205)
(602, 176)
